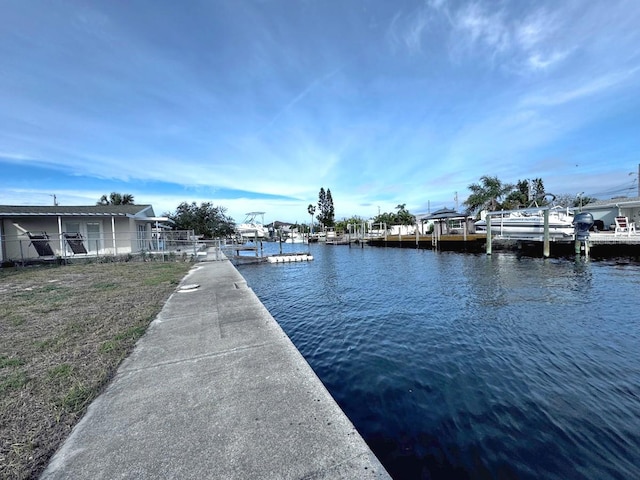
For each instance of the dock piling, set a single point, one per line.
(546, 247)
(489, 235)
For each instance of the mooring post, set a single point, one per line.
(488, 217)
(546, 246)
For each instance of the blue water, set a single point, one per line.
(471, 366)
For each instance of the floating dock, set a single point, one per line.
(289, 257)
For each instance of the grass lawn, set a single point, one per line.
(63, 332)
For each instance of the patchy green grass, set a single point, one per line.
(10, 362)
(13, 381)
(63, 332)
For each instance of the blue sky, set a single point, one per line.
(256, 104)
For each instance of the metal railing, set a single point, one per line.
(34, 246)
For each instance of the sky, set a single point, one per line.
(254, 105)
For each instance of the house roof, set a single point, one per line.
(444, 213)
(78, 210)
(614, 202)
(278, 224)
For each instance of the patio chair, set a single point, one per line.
(624, 226)
(74, 240)
(41, 244)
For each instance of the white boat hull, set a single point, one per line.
(251, 231)
(529, 226)
(252, 227)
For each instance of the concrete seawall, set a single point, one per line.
(215, 389)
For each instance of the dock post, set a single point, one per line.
(586, 248)
(545, 245)
(576, 246)
(488, 234)
(435, 235)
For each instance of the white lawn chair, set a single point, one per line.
(624, 226)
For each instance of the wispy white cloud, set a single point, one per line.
(540, 61)
(473, 24)
(298, 98)
(407, 30)
(588, 87)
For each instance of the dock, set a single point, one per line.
(471, 242)
(215, 389)
(600, 244)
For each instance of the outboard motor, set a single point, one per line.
(582, 222)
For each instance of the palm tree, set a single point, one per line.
(487, 194)
(404, 217)
(116, 199)
(311, 210)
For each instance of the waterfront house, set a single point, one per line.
(28, 232)
(605, 211)
(448, 222)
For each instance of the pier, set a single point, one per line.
(597, 244)
(215, 389)
(471, 242)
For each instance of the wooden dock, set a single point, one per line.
(471, 242)
(601, 244)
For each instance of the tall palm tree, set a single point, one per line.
(311, 210)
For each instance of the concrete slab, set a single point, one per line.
(215, 389)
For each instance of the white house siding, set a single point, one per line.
(17, 243)
(607, 212)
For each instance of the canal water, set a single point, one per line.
(455, 365)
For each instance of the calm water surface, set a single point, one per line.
(468, 366)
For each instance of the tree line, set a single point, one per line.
(490, 193)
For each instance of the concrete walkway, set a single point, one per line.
(215, 389)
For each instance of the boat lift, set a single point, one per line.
(582, 223)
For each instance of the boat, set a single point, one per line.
(296, 237)
(252, 228)
(528, 224)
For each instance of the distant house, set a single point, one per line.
(447, 221)
(605, 211)
(28, 232)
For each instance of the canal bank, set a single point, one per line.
(215, 389)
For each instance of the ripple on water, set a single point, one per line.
(469, 366)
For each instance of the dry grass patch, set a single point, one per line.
(63, 333)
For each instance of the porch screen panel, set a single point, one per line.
(141, 236)
(94, 239)
(72, 227)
